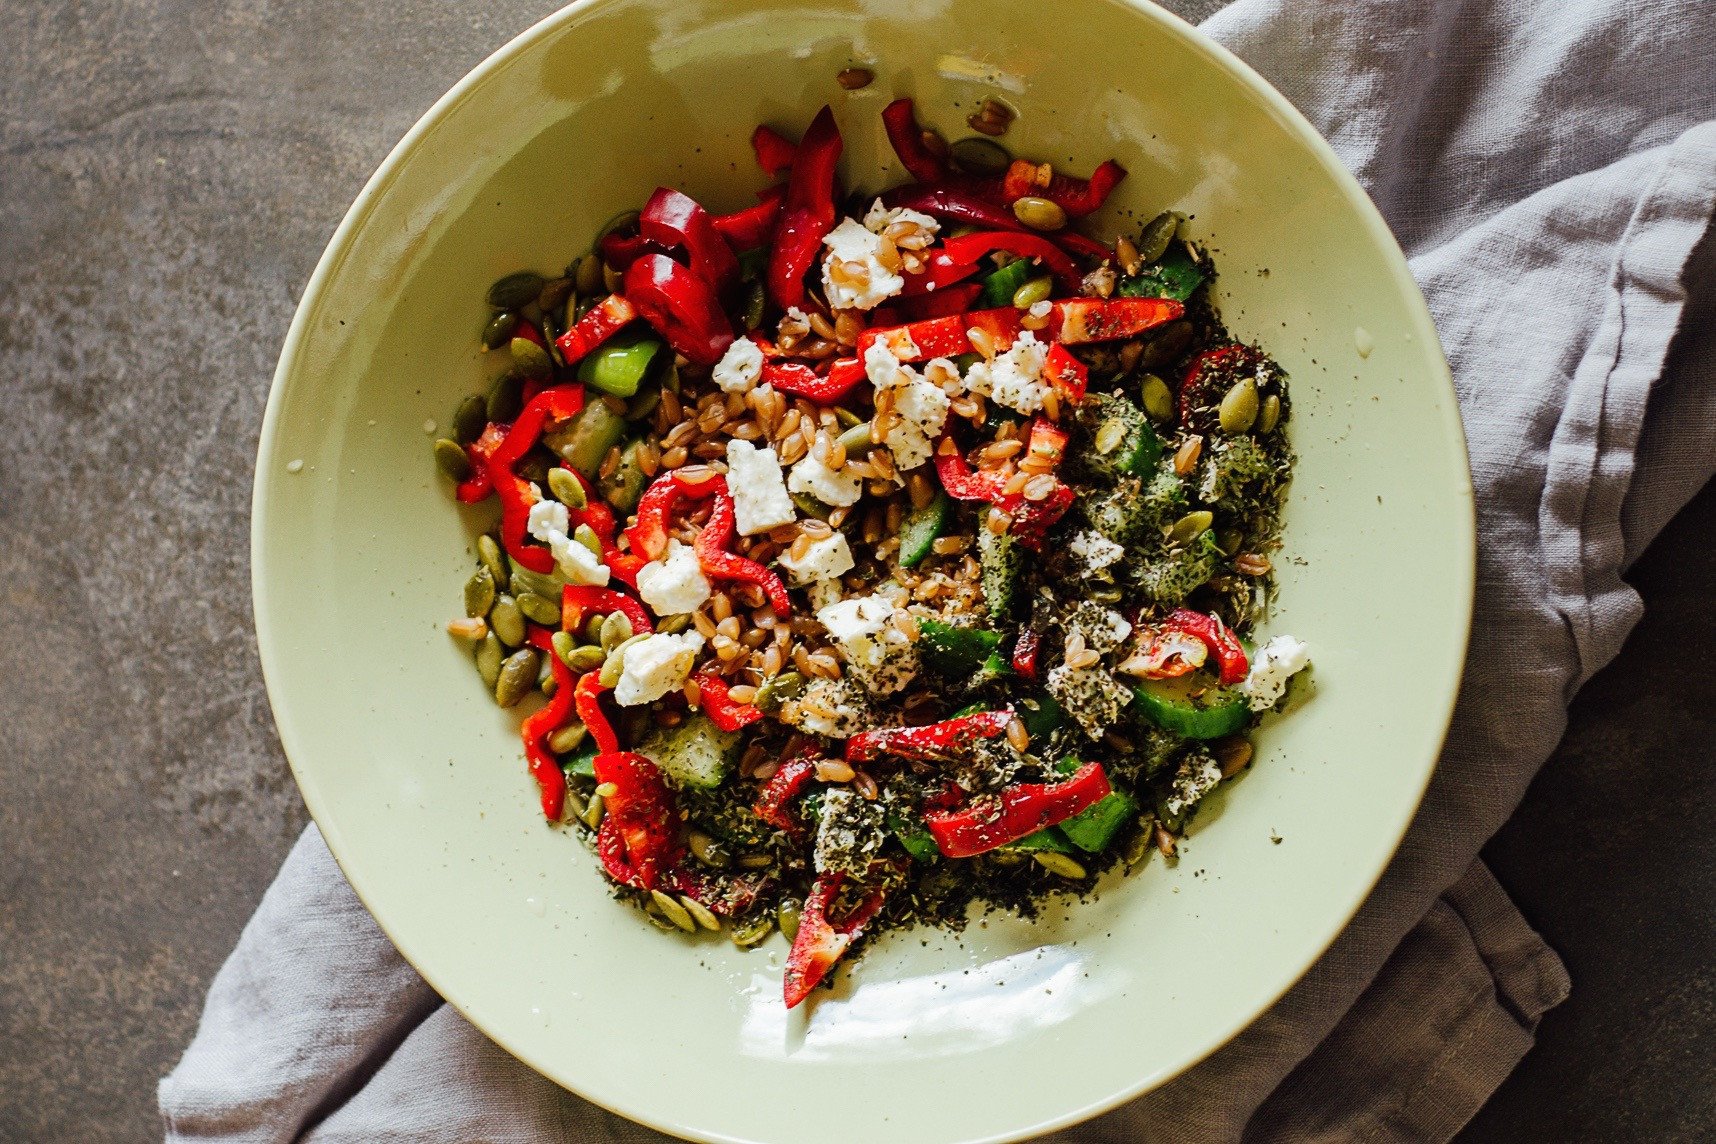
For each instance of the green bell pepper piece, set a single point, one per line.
(618, 365)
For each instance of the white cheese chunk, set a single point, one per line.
(1015, 378)
(739, 367)
(1274, 664)
(880, 218)
(656, 665)
(825, 559)
(760, 497)
(878, 655)
(922, 409)
(1095, 551)
(825, 484)
(549, 522)
(853, 276)
(675, 584)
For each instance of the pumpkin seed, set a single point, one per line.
(499, 330)
(1269, 415)
(700, 913)
(1158, 398)
(506, 397)
(575, 805)
(586, 536)
(479, 593)
(856, 439)
(751, 932)
(507, 621)
(565, 740)
(517, 676)
(616, 630)
(516, 290)
(538, 610)
(673, 625)
(585, 659)
(787, 916)
(755, 301)
(607, 790)
(1238, 411)
(592, 815)
(1153, 240)
(494, 560)
(1137, 847)
(593, 628)
(1167, 345)
(846, 418)
(451, 459)
(777, 689)
(1109, 436)
(976, 155)
(609, 676)
(588, 275)
(553, 294)
(709, 851)
(673, 911)
(1230, 540)
(1039, 213)
(489, 655)
(566, 488)
(532, 360)
(1191, 526)
(470, 419)
(564, 645)
(1032, 292)
(643, 405)
(1057, 863)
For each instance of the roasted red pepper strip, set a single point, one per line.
(681, 306)
(720, 707)
(730, 895)
(477, 486)
(1078, 197)
(673, 219)
(1071, 320)
(649, 535)
(517, 495)
(775, 152)
(823, 388)
(1079, 320)
(717, 563)
(822, 941)
(1067, 373)
(808, 213)
(944, 337)
(960, 481)
(1167, 652)
(599, 323)
(544, 768)
(907, 139)
(1223, 645)
(951, 203)
(578, 602)
(639, 838)
(968, 248)
(1031, 519)
(933, 742)
(942, 303)
(1079, 246)
(786, 784)
(587, 698)
(1015, 813)
(751, 228)
(1027, 652)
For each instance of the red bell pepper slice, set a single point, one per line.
(786, 784)
(907, 139)
(726, 714)
(729, 895)
(821, 941)
(803, 381)
(933, 742)
(1078, 197)
(1028, 652)
(1031, 519)
(638, 842)
(1067, 373)
(1215, 636)
(775, 153)
(953, 203)
(516, 494)
(578, 602)
(1071, 320)
(550, 779)
(1022, 810)
(968, 248)
(681, 306)
(673, 219)
(621, 250)
(1079, 246)
(1076, 321)
(942, 303)
(649, 535)
(943, 337)
(599, 323)
(1211, 369)
(717, 563)
(477, 486)
(751, 228)
(959, 480)
(808, 213)
(587, 699)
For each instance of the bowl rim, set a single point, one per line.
(269, 646)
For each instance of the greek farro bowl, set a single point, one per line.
(415, 774)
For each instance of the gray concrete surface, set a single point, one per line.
(169, 172)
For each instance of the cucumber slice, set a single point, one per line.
(1093, 829)
(619, 364)
(998, 288)
(1138, 449)
(583, 760)
(915, 837)
(583, 441)
(1175, 276)
(1000, 562)
(695, 753)
(1042, 715)
(955, 652)
(1048, 838)
(625, 487)
(921, 528)
(1193, 706)
(810, 506)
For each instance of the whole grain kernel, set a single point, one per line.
(1017, 736)
(834, 771)
(1186, 456)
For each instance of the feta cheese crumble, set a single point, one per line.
(880, 218)
(878, 655)
(1094, 698)
(675, 584)
(850, 833)
(853, 276)
(1015, 378)
(760, 497)
(825, 559)
(549, 522)
(1095, 551)
(811, 476)
(1275, 663)
(833, 708)
(921, 404)
(656, 665)
(1195, 778)
(739, 367)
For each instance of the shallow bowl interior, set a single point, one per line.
(416, 779)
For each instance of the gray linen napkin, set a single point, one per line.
(1550, 168)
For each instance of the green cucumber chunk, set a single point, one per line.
(1043, 719)
(1093, 829)
(999, 561)
(618, 365)
(1192, 706)
(921, 528)
(695, 753)
(625, 487)
(914, 837)
(998, 288)
(583, 441)
(1139, 448)
(955, 652)
(583, 760)
(1174, 276)
(1048, 838)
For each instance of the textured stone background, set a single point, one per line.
(169, 172)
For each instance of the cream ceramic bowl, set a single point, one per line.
(416, 778)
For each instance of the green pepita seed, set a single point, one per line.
(592, 815)
(495, 561)
(488, 656)
(1153, 240)
(625, 220)
(538, 610)
(1229, 540)
(976, 155)
(548, 685)
(1137, 848)
(506, 396)
(673, 625)
(553, 294)
(607, 790)
(566, 488)
(548, 587)
(586, 659)
(1109, 436)
(673, 911)
(517, 676)
(856, 440)
(1158, 398)
(1039, 214)
(470, 419)
(564, 646)
(709, 851)
(588, 276)
(451, 459)
(1238, 412)
(532, 360)
(499, 330)
(593, 628)
(787, 916)
(586, 536)
(752, 932)
(700, 913)
(616, 630)
(479, 593)
(1032, 292)
(1168, 344)
(643, 405)
(1190, 527)
(1269, 415)
(1057, 863)
(846, 419)
(567, 739)
(609, 676)
(755, 302)
(576, 806)
(777, 689)
(507, 620)
(515, 290)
